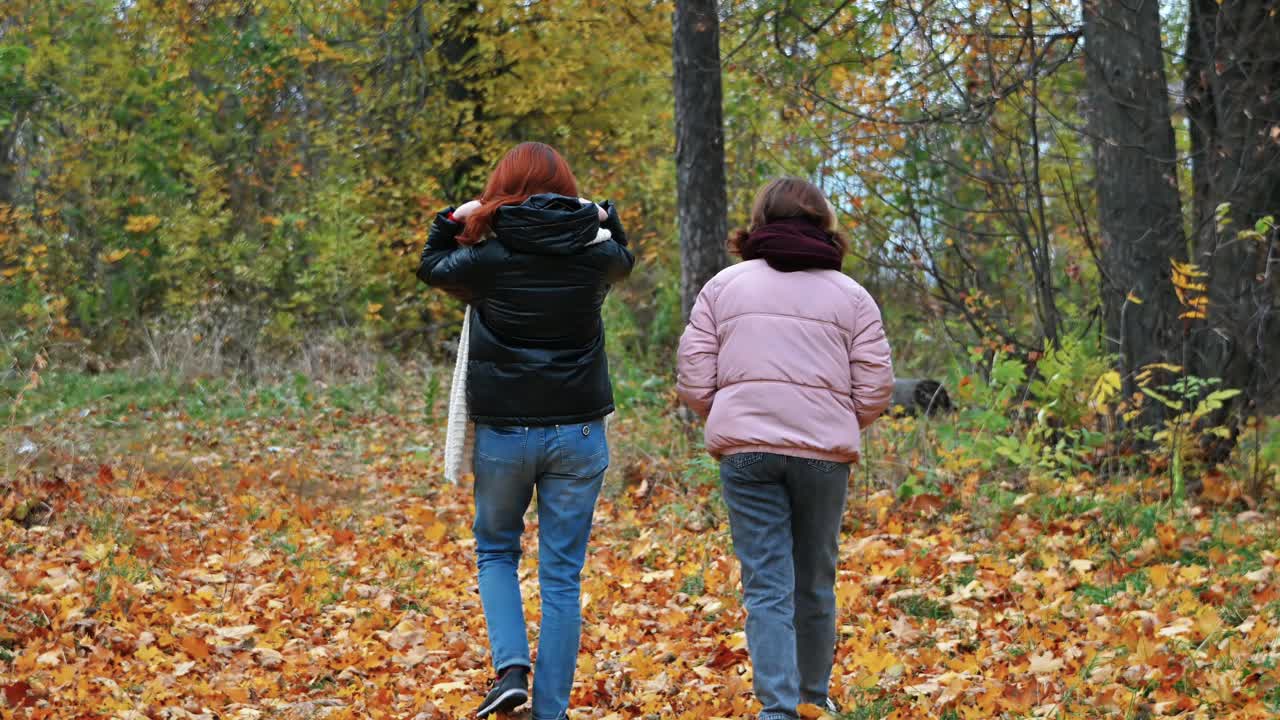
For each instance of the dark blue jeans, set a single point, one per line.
(565, 464)
(785, 515)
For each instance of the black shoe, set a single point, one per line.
(509, 692)
(830, 706)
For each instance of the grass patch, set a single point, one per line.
(919, 606)
(1137, 582)
(863, 708)
(118, 397)
(1236, 609)
(967, 574)
(129, 570)
(694, 585)
(105, 524)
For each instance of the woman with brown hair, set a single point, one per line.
(534, 262)
(787, 359)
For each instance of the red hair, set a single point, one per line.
(529, 169)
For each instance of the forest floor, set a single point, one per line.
(199, 552)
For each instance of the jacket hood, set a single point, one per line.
(547, 224)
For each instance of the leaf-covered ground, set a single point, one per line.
(166, 563)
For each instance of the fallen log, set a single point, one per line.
(920, 395)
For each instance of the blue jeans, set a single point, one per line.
(784, 513)
(566, 464)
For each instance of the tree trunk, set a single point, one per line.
(457, 43)
(1139, 211)
(1233, 102)
(9, 164)
(700, 181)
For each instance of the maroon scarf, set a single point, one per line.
(793, 244)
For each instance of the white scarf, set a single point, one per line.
(460, 433)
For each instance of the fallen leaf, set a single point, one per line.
(268, 658)
(1045, 664)
(194, 647)
(18, 695)
(238, 632)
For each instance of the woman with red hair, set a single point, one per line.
(534, 262)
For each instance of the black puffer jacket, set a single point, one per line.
(536, 288)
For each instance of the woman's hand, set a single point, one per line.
(599, 210)
(466, 209)
(613, 223)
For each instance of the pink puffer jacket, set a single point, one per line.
(789, 363)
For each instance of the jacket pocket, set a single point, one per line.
(741, 461)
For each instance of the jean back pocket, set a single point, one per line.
(742, 461)
(824, 466)
(586, 447)
(501, 444)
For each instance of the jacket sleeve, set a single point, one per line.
(618, 262)
(870, 365)
(697, 366)
(620, 259)
(447, 265)
(613, 223)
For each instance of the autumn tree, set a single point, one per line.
(702, 202)
(1139, 210)
(946, 138)
(16, 102)
(1232, 87)
(249, 175)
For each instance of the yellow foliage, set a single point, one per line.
(141, 224)
(1192, 293)
(1107, 387)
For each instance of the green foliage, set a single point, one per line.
(1066, 376)
(1193, 406)
(986, 419)
(1257, 458)
(1066, 419)
(703, 470)
(15, 95)
(1066, 393)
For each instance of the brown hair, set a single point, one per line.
(528, 169)
(790, 197)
